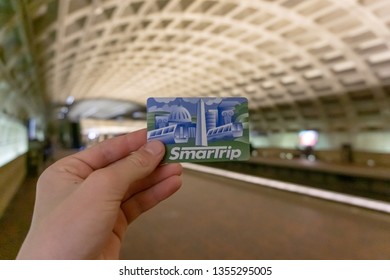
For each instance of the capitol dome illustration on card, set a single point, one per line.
(200, 129)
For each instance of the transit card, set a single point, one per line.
(200, 129)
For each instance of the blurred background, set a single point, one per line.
(317, 77)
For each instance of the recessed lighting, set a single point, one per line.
(69, 100)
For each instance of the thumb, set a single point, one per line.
(144, 160)
(115, 179)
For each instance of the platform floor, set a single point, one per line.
(215, 218)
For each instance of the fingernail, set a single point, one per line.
(154, 147)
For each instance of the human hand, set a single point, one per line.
(85, 202)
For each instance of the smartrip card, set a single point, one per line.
(200, 129)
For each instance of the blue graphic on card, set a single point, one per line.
(200, 129)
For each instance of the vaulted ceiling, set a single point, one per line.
(322, 64)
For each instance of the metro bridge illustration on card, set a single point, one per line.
(200, 129)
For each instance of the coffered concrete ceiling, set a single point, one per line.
(322, 64)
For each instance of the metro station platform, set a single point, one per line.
(213, 217)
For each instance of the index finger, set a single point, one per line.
(111, 150)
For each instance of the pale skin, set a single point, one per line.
(86, 201)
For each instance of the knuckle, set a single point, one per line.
(103, 177)
(139, 159)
